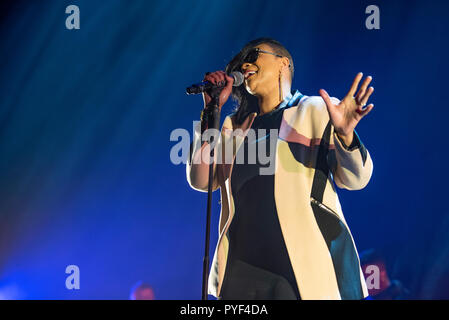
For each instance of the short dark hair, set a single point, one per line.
(247, 103)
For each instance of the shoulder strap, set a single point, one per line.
(321, 166)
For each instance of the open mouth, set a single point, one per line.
(249, 74)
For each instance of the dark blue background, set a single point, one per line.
(86, 116)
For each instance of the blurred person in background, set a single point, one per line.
(142, 291)
(379, 284)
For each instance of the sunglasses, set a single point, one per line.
(253, 55)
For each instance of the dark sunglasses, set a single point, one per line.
(253, 55)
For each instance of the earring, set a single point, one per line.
(280, 86)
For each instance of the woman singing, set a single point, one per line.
(282, 233)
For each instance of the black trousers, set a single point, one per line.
(243, 281)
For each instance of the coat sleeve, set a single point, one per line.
(351, 166)
(197, 166)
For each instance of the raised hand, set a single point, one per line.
(346, 115)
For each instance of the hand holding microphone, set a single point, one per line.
(217, 79)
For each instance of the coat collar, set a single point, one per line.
(289, 101)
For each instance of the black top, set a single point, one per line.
(255, 234)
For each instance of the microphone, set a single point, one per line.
(206, 85)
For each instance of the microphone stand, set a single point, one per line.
(213, 121)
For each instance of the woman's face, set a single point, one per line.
(266, 78)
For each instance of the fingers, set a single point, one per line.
(210, 76)
(206, 76)
(215, 77)
(225, 79)
(363, 94)
(366, 96)
(230, 80)
(326, 98)
(362, 89)
(355, 84)
(365, 111)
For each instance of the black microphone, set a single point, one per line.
(206, 85)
